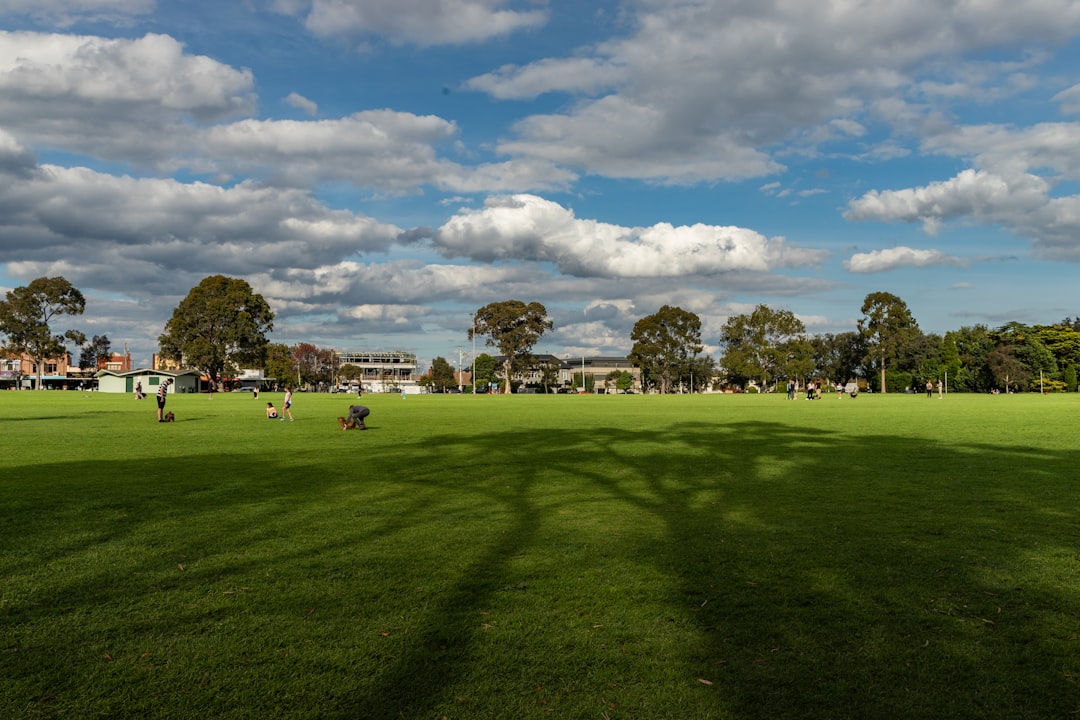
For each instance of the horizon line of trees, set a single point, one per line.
(222, 325)
(887, 350)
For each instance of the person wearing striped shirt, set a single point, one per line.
(162, 391)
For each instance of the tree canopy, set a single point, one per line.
(312, 365)
(757, 344)
(483, 371)
(664, 345)
(442, 374)
(25, 315)
(219, 327)
(99, 348)
(887, 325)
(279, 364)
(514, 328)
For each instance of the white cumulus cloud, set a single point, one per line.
(419, 22)
(897, 257)
(300, 102)
(114, 98)
(530, 228)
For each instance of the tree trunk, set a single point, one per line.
(883, 390)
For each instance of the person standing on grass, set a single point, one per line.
(138, 391)
(287, 405)
(940, 389)
(162, 391)
(929, 389)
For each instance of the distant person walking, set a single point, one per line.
(139, 395)
(286, 408)
(162, 391)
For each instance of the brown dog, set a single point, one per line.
(169, 417)
(346, 424)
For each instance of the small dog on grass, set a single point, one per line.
(169, 417)
(346, 424)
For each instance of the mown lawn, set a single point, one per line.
(532, 557)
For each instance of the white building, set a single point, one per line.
(382, 371)
(184, 381)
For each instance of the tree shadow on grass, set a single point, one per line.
(795, 573)
(827, 576)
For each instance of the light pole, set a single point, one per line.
(459, 383)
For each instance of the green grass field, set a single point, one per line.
(530, 557)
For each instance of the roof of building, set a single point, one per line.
(147, 371)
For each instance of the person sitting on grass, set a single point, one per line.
(271, 412)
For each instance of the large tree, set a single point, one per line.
(25, 315)
(1026, 347)
(514, 328)
(664, 344)
(219, 327)
(313, 365)
(756, 343)
(974, 345)
(887, 325)
(1007, 369)
(442, 374)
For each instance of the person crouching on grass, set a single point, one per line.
(271, 411)
(357, 413)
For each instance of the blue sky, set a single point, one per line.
(379, 169)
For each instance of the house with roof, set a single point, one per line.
(595, 371)
(184, 381)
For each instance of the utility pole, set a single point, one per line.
(459, 383)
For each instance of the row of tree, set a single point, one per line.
(887, 350)
(222, 325)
